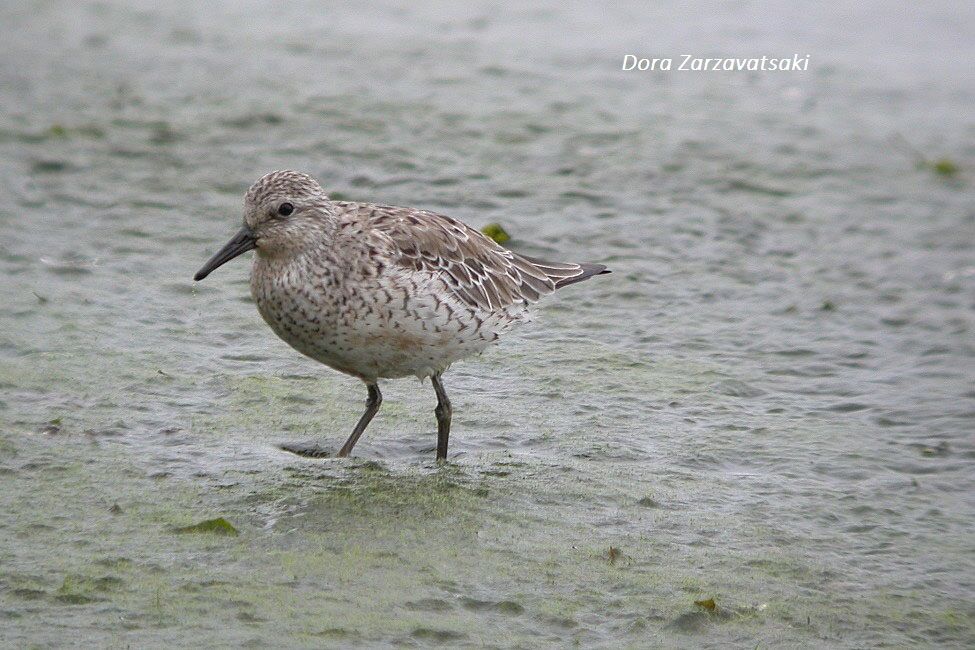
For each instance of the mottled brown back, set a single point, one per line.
(482, 274)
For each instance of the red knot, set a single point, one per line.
(380, 292)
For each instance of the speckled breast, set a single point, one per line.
(367, 327)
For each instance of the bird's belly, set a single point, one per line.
(376, 335)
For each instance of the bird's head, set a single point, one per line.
(284, 212)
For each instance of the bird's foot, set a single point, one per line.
(309, 449)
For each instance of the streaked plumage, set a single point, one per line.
(377, 291)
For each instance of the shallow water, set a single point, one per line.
(769, 403)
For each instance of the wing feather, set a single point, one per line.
(479, 273)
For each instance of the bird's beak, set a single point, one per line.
(242, 242)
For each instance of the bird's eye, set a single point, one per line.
(285, 209)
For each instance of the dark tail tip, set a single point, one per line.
(588, 270)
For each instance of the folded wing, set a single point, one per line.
(479, 272)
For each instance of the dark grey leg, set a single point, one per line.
(312, 449)
(443, 412)
(372, 407)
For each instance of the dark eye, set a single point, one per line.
(285, 209)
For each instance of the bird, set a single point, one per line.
(381, 292)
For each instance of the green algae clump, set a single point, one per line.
(944, 167)
(707, 604)
(218, 526)
(496, 232)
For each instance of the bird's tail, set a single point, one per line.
(566, 273)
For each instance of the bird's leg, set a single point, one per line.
(313, 450)
(372, 406)
(443, 412)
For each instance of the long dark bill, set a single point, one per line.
(242, 242)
